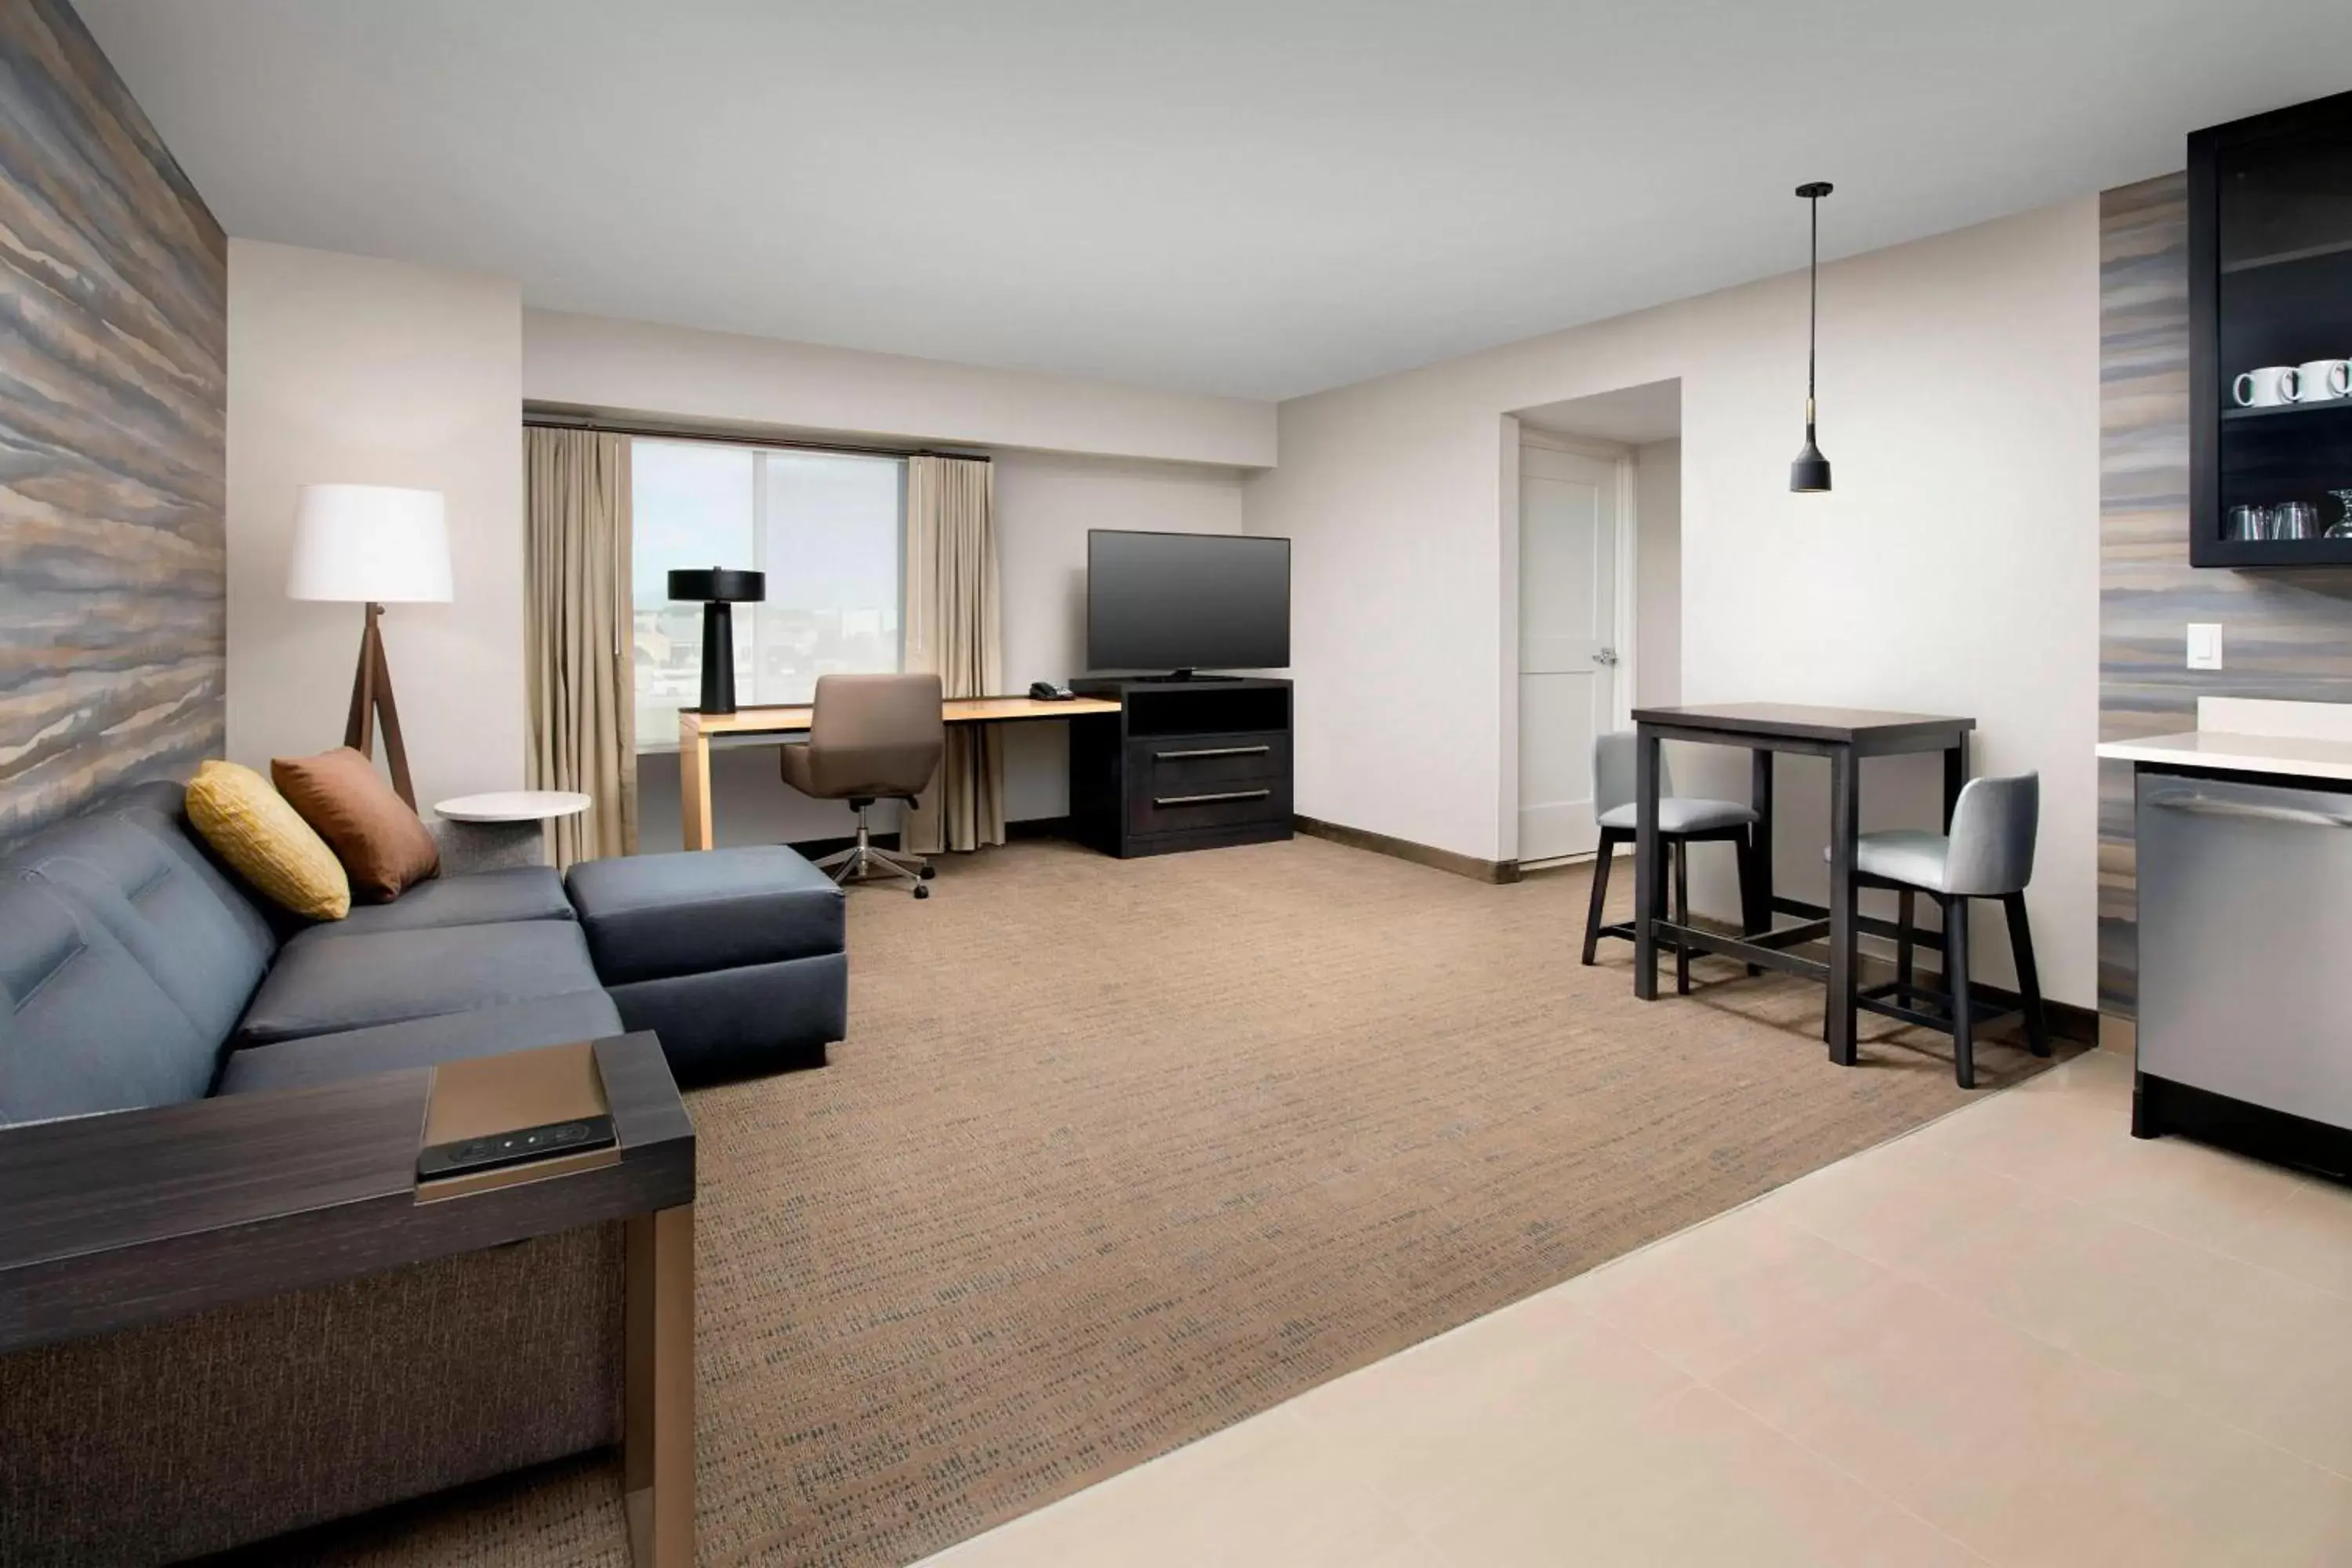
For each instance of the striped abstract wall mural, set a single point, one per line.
(113, 386)
(2286, 634)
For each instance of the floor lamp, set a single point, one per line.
(373, 546)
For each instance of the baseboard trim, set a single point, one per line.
(1461, 865)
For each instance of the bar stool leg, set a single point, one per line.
(2029, 982)
(1601, 859)
(1682, 915)
(1752, 916)
(1905, 911)
(1956, 979)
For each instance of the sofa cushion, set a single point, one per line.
(384, 847)
(330, 982)
(150, 886)
(477, 898)
(159, 807)
(247, 821)
(649, 917)
(83, 1026)
(420, 1042)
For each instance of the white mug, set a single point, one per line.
(2322, 380)
(2267, 387)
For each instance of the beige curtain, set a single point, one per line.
(582, 689)
(951, 628)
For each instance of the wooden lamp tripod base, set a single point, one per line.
(371, 700)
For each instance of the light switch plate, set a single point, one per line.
(2204, 645)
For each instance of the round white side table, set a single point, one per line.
(513, 806)
(504, 828)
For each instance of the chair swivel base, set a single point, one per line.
(863, 862)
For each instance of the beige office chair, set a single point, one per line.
(872, 737)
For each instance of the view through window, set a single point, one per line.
(827, 528)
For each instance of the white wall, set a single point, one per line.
(1953, 569)
(1044, 506)
(595, 362)
(344, 368)
(1658, 577)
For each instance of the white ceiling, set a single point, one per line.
(1261, 197)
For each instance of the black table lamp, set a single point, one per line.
(718, 589)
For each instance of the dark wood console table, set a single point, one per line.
(1843, 735)
(1181, 764)
(114, 1221)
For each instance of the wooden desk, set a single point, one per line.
(1843, 735)
(137, 1217)
(695, 731)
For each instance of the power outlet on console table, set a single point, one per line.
(2204, 645)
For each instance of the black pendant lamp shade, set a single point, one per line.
(717, 589)
(1809, 474)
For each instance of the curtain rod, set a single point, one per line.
(656, 433)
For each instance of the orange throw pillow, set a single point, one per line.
(382, 844)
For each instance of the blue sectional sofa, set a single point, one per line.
(136, 971)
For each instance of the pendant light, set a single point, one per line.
(1809, 474)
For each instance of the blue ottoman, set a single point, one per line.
(735, 957)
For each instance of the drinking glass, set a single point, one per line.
(2294, 520)
(2250, 523)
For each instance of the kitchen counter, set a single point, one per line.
(2290, 755)
(2290, 739)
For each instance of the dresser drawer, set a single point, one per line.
(1191, 764)
(1224, 805)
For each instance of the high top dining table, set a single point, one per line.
(1843, 735)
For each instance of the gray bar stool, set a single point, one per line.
(1681, 823)
(1989, 855)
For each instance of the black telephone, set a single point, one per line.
(1046, 691)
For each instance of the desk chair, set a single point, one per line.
(1989, 855)
(871, 737)
(1680, 824)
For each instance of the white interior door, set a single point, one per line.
(1568, 643)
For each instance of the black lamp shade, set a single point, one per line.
(719, 589)
(716, 585)
(1809, 474)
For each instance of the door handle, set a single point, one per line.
(2207, 805)
(1605, 656)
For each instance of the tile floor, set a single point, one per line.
(2014, 1336)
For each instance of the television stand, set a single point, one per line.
(1174, 676)
(1192, 763)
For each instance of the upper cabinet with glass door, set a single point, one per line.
(2270, 292)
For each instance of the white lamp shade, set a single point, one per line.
(361, 542)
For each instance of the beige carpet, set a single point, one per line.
(1119, 1152)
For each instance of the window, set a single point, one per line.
(826, 527)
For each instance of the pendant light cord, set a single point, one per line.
(1812, 311)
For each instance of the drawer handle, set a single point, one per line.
(1212, 752)
(1211, 799)
(2206, 805)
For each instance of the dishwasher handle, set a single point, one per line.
(2200, 804)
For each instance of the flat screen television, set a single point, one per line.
(1185, 602)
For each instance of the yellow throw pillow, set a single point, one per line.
(250, 825)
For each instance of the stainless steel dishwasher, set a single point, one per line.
(2245, 959)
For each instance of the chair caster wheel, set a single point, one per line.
(928, 871)
(921, 891)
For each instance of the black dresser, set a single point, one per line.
(1184, 765)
